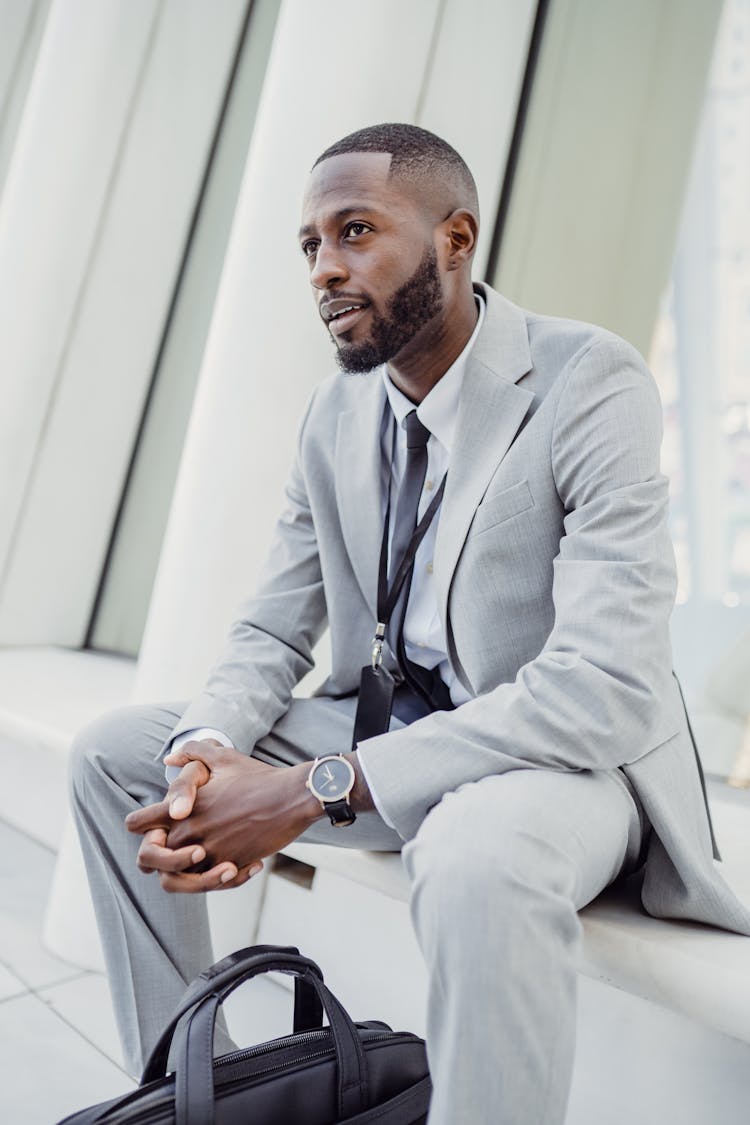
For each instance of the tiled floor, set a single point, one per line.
(57, 1036)
(59, 1049)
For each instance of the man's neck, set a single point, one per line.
(431, 353)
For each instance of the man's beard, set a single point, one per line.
(411, 307)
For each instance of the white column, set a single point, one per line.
(334, 67)
(265, 349)
(49, 214)
(98, 204)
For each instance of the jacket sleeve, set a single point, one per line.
(600, 692)
(270, 645)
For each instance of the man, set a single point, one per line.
(537, 748)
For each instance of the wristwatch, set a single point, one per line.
(331, 780)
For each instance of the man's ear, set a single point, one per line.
(459, 232)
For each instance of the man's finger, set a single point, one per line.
(207, 751)
(145, 819)
(183, 790)
(158, 838)
(242, 876)
(153, 855)
(198, 882)
(219, 878)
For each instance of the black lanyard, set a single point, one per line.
(376, 685)
(387, 598)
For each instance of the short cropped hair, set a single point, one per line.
(415, 154)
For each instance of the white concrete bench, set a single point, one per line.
(46, 695)
(698, 974)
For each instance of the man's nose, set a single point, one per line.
(329, 268)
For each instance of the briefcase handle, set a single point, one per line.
(308, 1010)
(194, 1077)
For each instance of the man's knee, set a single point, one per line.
(121, 748)
(479, 846)
(93, 746)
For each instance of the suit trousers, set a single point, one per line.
(498, 870)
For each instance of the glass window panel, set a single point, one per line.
(701, 359)
(701, 348)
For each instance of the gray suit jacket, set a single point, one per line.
(555, 579)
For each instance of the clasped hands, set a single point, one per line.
(222, 815)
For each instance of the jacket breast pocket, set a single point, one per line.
(501, 506)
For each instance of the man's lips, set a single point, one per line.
(345, 321)
(340, 313)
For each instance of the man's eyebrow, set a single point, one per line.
(354, 209)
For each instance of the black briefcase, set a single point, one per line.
(361, 1074)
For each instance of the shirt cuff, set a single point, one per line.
(195, 735)
(373, 794)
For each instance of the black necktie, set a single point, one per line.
(427, 683)
(407, 506)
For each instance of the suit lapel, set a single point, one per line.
(359, 483)
(491, 410)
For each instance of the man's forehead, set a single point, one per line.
(352, 179)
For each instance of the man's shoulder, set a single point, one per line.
(563, 360)
(553, 338)
(565, 339)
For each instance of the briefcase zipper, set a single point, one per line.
(272, 1045)
(294, 1040)
(239, 1056)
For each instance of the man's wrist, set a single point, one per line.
(305, 802)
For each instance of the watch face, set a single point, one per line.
(331, 778)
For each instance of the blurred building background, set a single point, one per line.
(158, 342)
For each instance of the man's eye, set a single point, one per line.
(309, 247)
(356, 229)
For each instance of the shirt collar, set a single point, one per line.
(439, 409)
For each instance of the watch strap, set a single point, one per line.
(340, 812)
